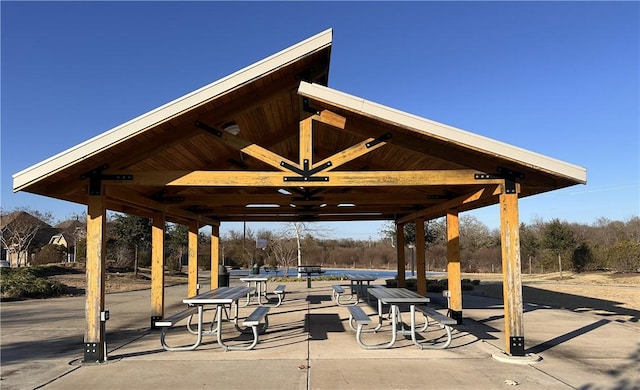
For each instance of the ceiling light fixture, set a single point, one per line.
(231, 128)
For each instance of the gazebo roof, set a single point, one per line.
(304, 152)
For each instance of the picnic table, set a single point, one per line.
(260, 285)
(357, 284)
(395, 298)
(221, 298)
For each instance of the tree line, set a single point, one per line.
(546, 246)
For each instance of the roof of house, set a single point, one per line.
(304, 152)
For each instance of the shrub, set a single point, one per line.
(26, 283)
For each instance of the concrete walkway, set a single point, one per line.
(309, 345)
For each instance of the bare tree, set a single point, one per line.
(18, 230)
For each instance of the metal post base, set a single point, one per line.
(516, 345)
(153, 321)
(94, 352)
(456, 315)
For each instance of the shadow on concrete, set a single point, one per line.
(318, 299)
(319, 325)
(566, 337)
(541, 298)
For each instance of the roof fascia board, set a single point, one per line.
(38, 171)
(442, 131)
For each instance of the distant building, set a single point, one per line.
(24, 234)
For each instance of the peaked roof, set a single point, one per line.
(303, 152)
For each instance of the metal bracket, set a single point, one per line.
(208, 129)
(510, 178)
(517, 345)
(306, 106)
(456, 315)
(160, 197)
(96, 177)
(378, 140)
(306, 174)
(153, 321)
(93, 352)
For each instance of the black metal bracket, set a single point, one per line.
(306, 174)
(161, 197)
(96, 177)
(510, 178)
(378, 140)
(306, 106)
(456, 315)
(94, 352)
(153, 321)
(517, 346)
(209, 129)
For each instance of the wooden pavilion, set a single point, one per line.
(272, 142)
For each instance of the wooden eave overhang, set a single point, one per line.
(305, 152)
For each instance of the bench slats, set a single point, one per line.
(175, 318)
(256, 316)
(359, 315)
(439, 317)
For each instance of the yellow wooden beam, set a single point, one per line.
(442, 208)
(94, 335)
(331, 118)
(192, 285)
(453, 265)
(278, 179)
(157, 266)
(420, 257)
(306, 142)
(400, 254)
(349, 154)
(511, 274)
(215, 255)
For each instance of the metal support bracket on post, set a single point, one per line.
(153, 321)
(306, 174)
(510, 178)
(96, 177)
(517, 346)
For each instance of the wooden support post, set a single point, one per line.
(511, 274)
(157, 267)
(453, 266)
(306, 141)
(420, 257)
(215, 255)
(192, 286)
(94, 335)
(400, 254)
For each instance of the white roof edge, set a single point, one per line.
(117, 134)
(442, 131)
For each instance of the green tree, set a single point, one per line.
(529, 244)
(582, 257)
(558, 238)
(177, 239)
(133, 232)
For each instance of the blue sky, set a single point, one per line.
(557, 78)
